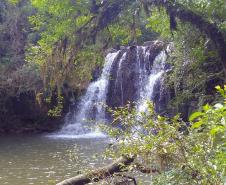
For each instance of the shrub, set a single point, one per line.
(183, 153)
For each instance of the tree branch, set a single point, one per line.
(207, 28)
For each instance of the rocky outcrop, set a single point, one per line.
(22, 114)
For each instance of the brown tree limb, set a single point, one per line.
(102, 173)
(108, 13)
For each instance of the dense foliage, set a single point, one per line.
(15, 77)
(181, 152)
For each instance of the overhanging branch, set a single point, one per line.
(205, 27)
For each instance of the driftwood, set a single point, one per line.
(99, 174)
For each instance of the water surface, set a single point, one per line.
(42, 160)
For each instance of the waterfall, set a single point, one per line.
(131, 74)
(119, 77)
(92, 105)
(151, 80)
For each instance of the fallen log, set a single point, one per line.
(99, 174)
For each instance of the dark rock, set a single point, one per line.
(24, 115)
(96, 73)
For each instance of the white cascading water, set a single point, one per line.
(142, 68)
(93, 101)
(149, 82)
(91, 106)
(119, 77)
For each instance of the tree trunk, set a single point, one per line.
(97, 175)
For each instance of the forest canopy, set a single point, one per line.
(61, 33)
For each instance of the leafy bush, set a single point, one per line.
(183, 153)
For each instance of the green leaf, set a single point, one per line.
(197, 124)
(217, 87)
(195, 115)
(216, 129)
(206, 107)
(220, 90)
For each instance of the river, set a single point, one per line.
(45, 160)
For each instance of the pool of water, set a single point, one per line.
(45, 160)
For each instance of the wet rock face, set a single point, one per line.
(123, 79)
(125, 74)
(161, 97)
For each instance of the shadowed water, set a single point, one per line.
(42, 160)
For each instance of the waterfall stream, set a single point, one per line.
(91, 108)
(119, 77)
(150, 81)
